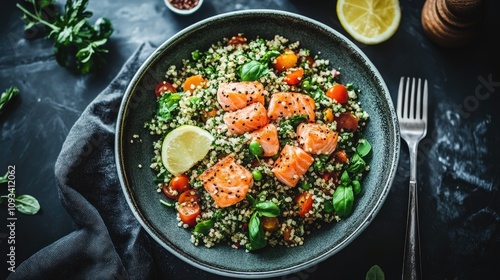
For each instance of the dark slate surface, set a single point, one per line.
(458, 175)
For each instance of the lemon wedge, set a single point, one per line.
(183, 147)
(369, 21)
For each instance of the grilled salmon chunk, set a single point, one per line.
(317, 138)
(287, 104)
(268, 139)
(227, 182)
(250, 118)
(237, 95)
(291, 165)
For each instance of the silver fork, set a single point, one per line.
(412, 115)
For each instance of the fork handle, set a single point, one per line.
(411, 261)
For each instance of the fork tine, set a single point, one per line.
(412, 100)
(400, 97)
(419, 100)
(426, 99)
(405, 102)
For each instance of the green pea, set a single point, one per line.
(306, 85)
(195, 55)
(256, 149)
(257, 175)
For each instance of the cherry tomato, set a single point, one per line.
(193, 82)
(310, 61)
(328, 115)
(188, 196)
(340, 156)
(163, 87)
(347, 121)
(169, 192)
(305, 202)
(338, 92)
(188, 207)
(270, 224)
(294, 77)
(180, 183)
(237, 40)
(286, 60)
(188, 212)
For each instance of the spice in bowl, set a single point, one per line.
(183, 6)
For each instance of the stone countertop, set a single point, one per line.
(458, 175)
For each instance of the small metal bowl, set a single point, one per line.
(183, 11)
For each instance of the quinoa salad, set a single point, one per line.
(287, 153)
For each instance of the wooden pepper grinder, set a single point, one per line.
(451, 23)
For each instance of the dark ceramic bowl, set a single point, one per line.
(139, 103)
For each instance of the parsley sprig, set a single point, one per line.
(78, 45)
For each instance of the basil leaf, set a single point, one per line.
(375, 273)
(267, 208)
(27, 204)
(252, 71)
(363, 148)
(7, 96)
(356, 187)
(251, 199)
(357, 164)
(345, 179)
(269, 56)
(256, 233)
(343, 199)
(204, 226)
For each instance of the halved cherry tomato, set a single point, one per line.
(294, 77)
(180, 183)
(286, 60)
(347, 121)
(339, 93)
(188, 196)
(167, 190)
(163, 87)
(269, 224)
(188, 212)
(310, 61)
(176, 186)
(340, 156)
(305, 202)
(188, 207)
(193, 82)
(237, 40)
(328, 115)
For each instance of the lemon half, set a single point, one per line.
(369, 21)
(183, 147)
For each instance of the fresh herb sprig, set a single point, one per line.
(255, 229)
(343, 197)
(7, 96)
(78, 45)
(25, 203)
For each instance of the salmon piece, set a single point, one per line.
(287, 104)
(292, 165)
(317, 138)
(227, 182)
(250, 118)
(268, 139)
(237, 95)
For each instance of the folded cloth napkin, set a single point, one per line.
(109, 242)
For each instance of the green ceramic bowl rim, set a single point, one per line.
(119, 142)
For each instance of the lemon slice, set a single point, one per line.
(183, 147)
(369, 21)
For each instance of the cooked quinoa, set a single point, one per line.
(199, 107)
